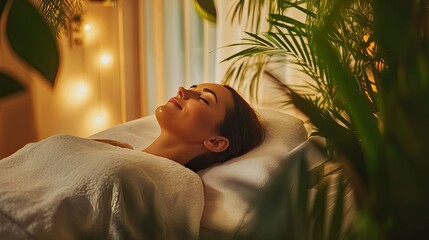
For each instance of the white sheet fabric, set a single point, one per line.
(65, 187)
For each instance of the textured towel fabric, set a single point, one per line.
(227, 209)
(65, 187)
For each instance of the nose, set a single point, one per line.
(186, 93)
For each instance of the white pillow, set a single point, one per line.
(226, 209)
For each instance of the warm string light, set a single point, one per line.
(105, 59)
(98, 118)
(89, 33)
(80, 90)
(87, 27)
(76, 92)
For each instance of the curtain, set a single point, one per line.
(179, 49)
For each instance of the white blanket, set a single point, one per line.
(66, 187)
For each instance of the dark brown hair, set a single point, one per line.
(242, 128)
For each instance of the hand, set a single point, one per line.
(114, 143)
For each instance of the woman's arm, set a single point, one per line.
(114, 143)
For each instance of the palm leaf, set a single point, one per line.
(286, 208)
(337, 216)
(287, 21)
(344, 140)
(297, 5)
(356, 102)
(59, 13)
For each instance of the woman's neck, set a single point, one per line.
(175, 149)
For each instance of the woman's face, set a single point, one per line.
(195, 114)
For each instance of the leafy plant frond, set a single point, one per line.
(296, 200)
(59, 13)
(366, 93)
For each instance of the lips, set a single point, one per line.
(175, 102)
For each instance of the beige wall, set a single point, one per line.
(87, 95)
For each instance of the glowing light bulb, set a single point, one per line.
(105, 59)
(87, 27)
(80, 90)
(75, 92)
(99, 119)
(90, 33)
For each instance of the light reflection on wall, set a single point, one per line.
(87, 27)
(90, 33)
(98, 119)
(105, 59)
(87, 96)
(87, 92)
(77, 92)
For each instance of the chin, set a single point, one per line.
(163, 116)
(160, 112)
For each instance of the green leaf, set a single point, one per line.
(9, 85)
(304, 10)
(245, 52)
(2, 4)
(280, 44)
(260, 39)
(305, 47)
(31, 38)
(297, 45)
(344, 139)
(337, 215)
(319, 210)
(357, 102)
(302, 187)
(289, 20)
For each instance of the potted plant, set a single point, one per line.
(367, 62)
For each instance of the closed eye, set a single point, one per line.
(204, 100)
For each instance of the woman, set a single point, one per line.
(66, 187)
(203, 125)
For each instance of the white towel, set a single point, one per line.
(65, 187)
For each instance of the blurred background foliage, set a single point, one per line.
(367, 79)
(33, 38)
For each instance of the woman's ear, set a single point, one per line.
(216, 143)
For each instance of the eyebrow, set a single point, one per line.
(208, 90)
